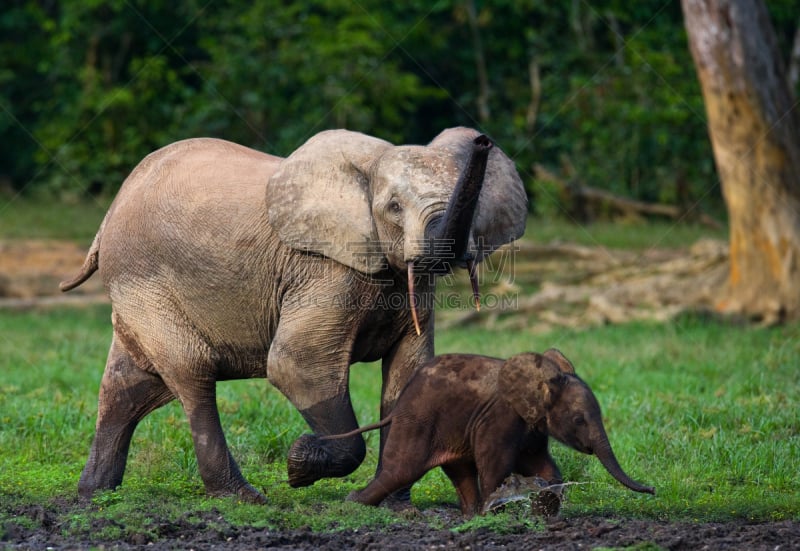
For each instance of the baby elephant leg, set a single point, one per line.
(398, 469)
(464, 476)
(385, 483)
(539, 463)
(495, 459)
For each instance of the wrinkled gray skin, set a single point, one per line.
(482, 419)
(222, 262)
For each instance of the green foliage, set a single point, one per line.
(87, 89)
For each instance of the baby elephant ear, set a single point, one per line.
(318, 200)
(563, 363)
(530, 384)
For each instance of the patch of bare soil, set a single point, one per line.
(213, 532)
(30, 271)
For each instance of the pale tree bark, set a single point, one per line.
(535, 77)
(755, 134)
(794, 60)
(480, 62)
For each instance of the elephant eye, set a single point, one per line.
(579, 420)
(394, 207)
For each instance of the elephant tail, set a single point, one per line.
(366, 428)
(89, 267)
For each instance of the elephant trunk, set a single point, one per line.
(448, 236)
(606, 456)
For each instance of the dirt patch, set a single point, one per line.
(211, 531)
(30, 271)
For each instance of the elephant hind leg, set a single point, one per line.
(219, 471)
(187, 363)
(403, 462)
(127, 395)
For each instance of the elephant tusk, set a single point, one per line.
(473, 279)
(413, 297)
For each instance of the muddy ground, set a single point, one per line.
(558, 533)
(29, 276)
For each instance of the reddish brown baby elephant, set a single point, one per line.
(482, 418)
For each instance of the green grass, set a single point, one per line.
(705, 412)
(38, 219)
(632, 234)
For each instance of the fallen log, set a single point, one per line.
(585, 203)
(587, 286)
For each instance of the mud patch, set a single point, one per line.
(37, 527)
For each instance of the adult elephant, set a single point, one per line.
(222, 262)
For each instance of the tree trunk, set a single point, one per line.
(480, 62)
(755, 135)
(794, 60)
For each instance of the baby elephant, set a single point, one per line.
(481, 419)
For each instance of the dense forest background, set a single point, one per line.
(604, 92)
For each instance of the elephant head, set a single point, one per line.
(545, 391)
(373, 206)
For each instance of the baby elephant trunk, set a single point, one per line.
(606, 456)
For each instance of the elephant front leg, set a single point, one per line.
(311, 458)
(464, 476)
(313, 375)
(539, 462)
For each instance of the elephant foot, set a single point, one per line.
(401, 503)
(86, 494)
(401, 496)
(401, 506)
(89, 484)
(245, 493)
(308, 461)
(311, 459)
(354, 497)
(249, 494)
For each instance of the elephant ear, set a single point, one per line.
(561, 361)
(318, 199)
(530, 384)
(503, 204)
